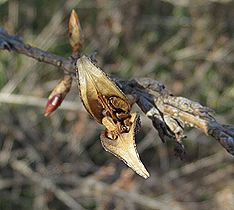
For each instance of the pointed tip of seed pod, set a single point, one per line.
(126, 151)
(146, 175)
(142, 171)
(134, 162)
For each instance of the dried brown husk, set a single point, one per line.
(123, 146)
(96, 88)
(108, 105)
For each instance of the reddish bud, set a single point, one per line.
(53, 104)
(58, 94)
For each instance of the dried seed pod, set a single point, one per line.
(109, 106)
(96, 90)
(124, 146)
(58, 94)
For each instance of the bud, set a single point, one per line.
(75, 32)
(58, 94)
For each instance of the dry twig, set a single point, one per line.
(22, 168)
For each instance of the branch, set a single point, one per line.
(15, 43)
(169, 114)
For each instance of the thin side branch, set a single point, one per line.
(169, 114)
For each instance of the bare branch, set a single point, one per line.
(169, 114)
(15, 43)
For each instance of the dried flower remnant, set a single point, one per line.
(58, 94)
(108, 105)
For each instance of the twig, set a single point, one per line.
(193, 167)
(186, 3)
(169, 114)
(45, 183)
(36, 101)
(15, 43)
(137, 198)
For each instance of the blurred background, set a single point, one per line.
(58, 162)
